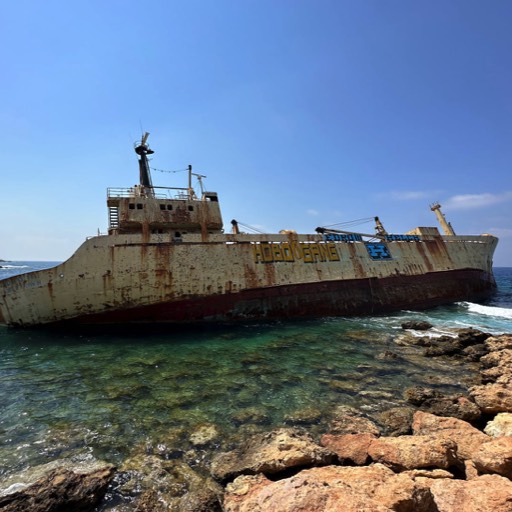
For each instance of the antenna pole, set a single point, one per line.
(190, 191)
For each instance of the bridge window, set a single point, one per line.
(190, 208)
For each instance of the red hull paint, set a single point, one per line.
(328, 298)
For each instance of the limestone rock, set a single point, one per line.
(330, 489)
(501, 425)
(350, 448)
(488, 493)
(414, 452)
(492, 398)
(495, 457)
(59, 485)
(271, 453)
(495, 343)
(498, 358)
(467, 437)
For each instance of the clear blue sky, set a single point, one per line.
(301, 113)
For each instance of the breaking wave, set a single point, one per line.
(13, 266)
(487, 310)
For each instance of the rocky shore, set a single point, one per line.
(440, 453)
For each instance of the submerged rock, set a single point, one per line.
(57, 486)
(204, 434)
(347, 420)
(155, 484)
(397, 420)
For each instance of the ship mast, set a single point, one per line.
(143, 150)
(447, 227)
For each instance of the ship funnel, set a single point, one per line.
(447, 227)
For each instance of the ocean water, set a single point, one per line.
(109, 392)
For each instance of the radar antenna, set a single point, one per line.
(143, 150)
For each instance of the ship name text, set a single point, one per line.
(266, 252)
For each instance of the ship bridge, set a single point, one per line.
(147, 209)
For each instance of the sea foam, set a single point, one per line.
(488, 310)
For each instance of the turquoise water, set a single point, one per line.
(109, 392)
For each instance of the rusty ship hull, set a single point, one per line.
(166, 258)
(231, 277)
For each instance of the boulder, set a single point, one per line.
(488, 493)
(330, 489)
(501, 425)
(271, 453)
(350, 448)
(414, 452)
(492, 398)
(468, 438)
(60, 485)
(495, 457)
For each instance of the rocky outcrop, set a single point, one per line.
(330, 489)
(496, 394)
(57, 486)
(446, 465)
(271, 453)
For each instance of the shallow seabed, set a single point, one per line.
(105, 393)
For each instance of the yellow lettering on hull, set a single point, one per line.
(269, 252)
